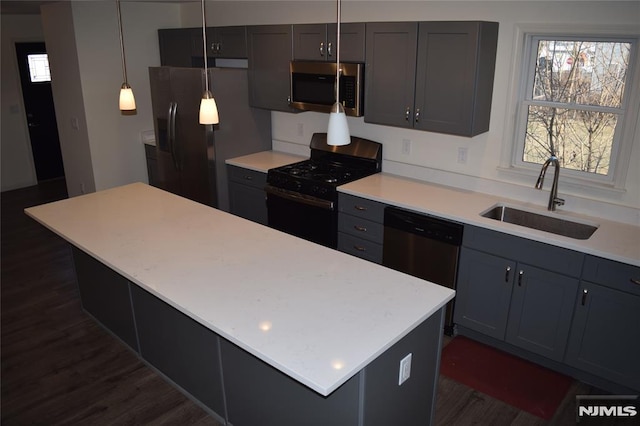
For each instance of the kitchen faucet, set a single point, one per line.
(553, 196)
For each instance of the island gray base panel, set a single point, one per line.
(258, 394)
(105, 294)
(595, 381)
(241, 390)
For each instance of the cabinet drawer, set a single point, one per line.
(552, 258)
(619, 276)
(361, 207)
(247, 176)
(361, 228)
(359, 247)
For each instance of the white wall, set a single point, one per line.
(434, 156)
(84, 48)
(16, 160)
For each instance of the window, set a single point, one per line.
(39, 67)
(573, 103)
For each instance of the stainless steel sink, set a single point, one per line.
(533, 220)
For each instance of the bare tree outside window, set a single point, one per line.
(575, 103)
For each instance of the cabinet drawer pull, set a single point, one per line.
(360, 208)
(634, 281)
(506, 274)
(584, 296)
(360, 228)
(359, 248)
(520, 275)
(248, 177)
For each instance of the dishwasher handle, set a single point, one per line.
(424, 225)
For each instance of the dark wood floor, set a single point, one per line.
(60, 367)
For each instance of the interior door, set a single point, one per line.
(40, 111)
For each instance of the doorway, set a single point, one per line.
(35, 81)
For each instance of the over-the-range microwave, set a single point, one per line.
(313, 86)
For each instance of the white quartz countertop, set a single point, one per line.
(612, 240)
(265, 160)
(315, 314)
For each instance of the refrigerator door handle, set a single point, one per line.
(172, 134)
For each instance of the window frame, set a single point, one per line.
(523, 74)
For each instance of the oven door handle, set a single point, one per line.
(299, 198)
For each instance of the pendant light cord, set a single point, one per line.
(124, 63)
(338, 58)
(204, 46)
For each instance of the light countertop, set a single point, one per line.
(315, 314)
(612, 240)
(265, 160)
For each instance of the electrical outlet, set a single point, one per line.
(300, 129)
(405, 369)
(406, 146)
(462, 155)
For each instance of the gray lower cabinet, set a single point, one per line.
(105, 295)
(526, 301)
(151, 156)
(433, 76)
(270, 51)
(246, 194)
(182, 349)
(360, 227)
(604, 337)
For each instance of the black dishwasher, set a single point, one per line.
(425, 247)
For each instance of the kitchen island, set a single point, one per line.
(258, 326)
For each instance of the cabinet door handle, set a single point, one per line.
(359, 248)
(407, 114)
(329, 49)
(321, 49)
(360, 208)
(507, 273)
(584, 296)
(635, 280)
(248, 177)
(417, 115)
(360, 228)
(520, 275)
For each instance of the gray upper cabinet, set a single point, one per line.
(604, 334)
(270, 52)
(433, 76)
(177, 46)
(317, 42)
(390, 72)
(222, 42)
(454, 78)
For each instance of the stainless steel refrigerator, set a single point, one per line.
(191, 156)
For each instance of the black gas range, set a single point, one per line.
(302, 198)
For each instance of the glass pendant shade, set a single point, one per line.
(208, 109)
(127, 101)
(338, 130)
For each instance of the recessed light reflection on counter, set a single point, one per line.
(337, 364)
(265, 325)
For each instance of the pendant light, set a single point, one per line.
(208, 107)
(338, 129)
(127, 101)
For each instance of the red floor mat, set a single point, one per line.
(517, 382)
